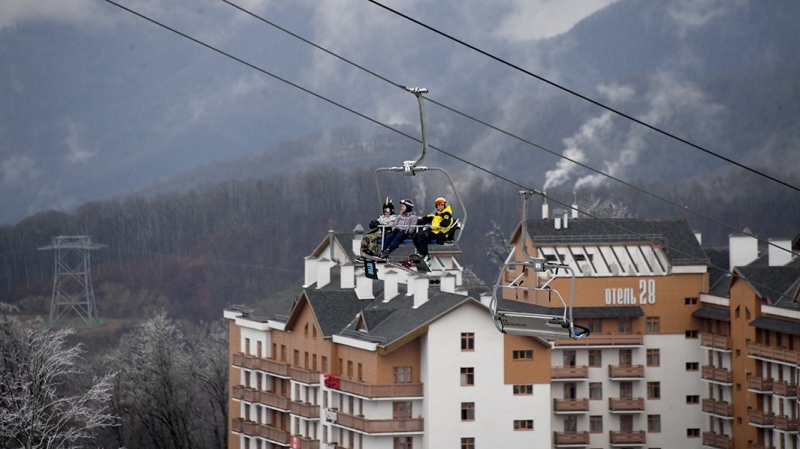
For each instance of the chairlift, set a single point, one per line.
(411, 168)
(550, 321)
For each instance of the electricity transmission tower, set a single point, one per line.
(72, 283)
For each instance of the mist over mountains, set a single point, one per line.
(147, 112)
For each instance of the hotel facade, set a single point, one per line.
(684, 351)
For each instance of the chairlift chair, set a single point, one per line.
(546, 322)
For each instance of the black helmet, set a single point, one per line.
(408, 203)
(387, 204)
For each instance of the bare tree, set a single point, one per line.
(497, 245)
(42, 404)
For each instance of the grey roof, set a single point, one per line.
(681, 245)
(714, 313)
(719, 279)
(334, 309)
(776, 325)
(774, 283)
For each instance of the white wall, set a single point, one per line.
(496, 407)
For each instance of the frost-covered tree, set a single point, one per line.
(42, 401)
(497, 246)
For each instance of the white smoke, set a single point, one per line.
(595, 128)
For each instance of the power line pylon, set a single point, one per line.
(72, 282)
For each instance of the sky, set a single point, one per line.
(95, 101)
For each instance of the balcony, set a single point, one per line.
(626, 438)
(260, 397)
(786, 424)
(759, 385)
(375, 426)
(625, 405)
(718, 342)
(603, 340)
(571, 438)
(717, 375)
(253, 362)
(304, 443)
(571, 405)
(305, 376)
(255, 429)
(380, 390)
(569, 372)
(759, 418)
(718, 408)
(309, 411)
(625, 372)
(757, 350)
(785, 389)
(717, 440)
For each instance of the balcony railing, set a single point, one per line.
(632, 437)
(626, 404)
(304, 443)
(373, 426)
(569, 372)
(571, 405)
(625, 371)
(305, 410)
(255, 429)
(712, 341)
(603, 340)
(760, 418)
(759, 384)
(253, 362)
(719, 408)
(767, 352)
(304, 375)
(783, 422)
(759, 446)
(717, 440)
(260, 397)
(714, 374)
(784, 388)
(570, 438)
(380, 390)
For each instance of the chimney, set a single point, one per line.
(557, 218)
(699, 237)
(390, 285)
(566, 219)
(448, 283)
(742, 248)
(780, 252)
(310, 271)
(363, 286)
(358, 233)
(574, 205)
(323, 272)
(545, 208)
(420, 289)
(347, 276)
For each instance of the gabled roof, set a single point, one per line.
(681, 245)
(773, 283)
(776, 325)
(334, 310)
(719, 280)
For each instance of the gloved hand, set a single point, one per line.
(373, 224)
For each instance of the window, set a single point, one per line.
(523, 424)
(626, 390)
(690, 301)
(693, 433)
(467, 376)
(247, 346)
(259, 385)
(651, 325)
(693, 399)
(274, 351)
(341, 367)
(468, 443)
(259, 348)
(692, 334)
(324, 364)
(523, 389)
(401, 410)
(467, 341)
(468, 411)
(595, 391)
(360, 371)
(526, 354)
(595, 424)
(626, 423)
(595, 326)
(570, 423)
(306, 330)
(653, 390)
(306, 365)
(569, 357)
(296, 358)
(246, 378)
(401, 375)
(283, 353)
(653, 357)
(595, 357)
(402, 443)
(692, 366)
(654, 423)
(313, 331)
(624, 325)
(313, 362)
(350, 369)
(570, 390)
(625, 357)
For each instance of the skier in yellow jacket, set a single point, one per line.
(437, 226)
